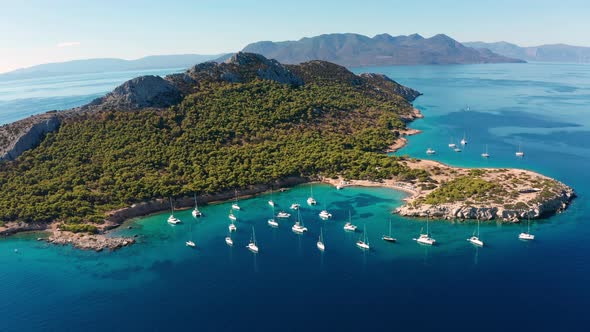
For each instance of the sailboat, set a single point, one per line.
(252, 246)
(486, 154)
(311, 200)
(474, 239)
(364, 243)
(228, 240)
(190, 242)
(283, 214)
(464, 139)
(320, 243)
(295, 206)
(527, 235)
(519, 153)
(430, 151)
(196, 212)
(271, 202)
(425, 238)
(272, 222)
(452, 145)
(389, 238)
(235, 206)
(172, 219)
(325, 214)
(232, 216)
(232, 227)
(298, 227)
(349, 226)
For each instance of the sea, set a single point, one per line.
(160, 284)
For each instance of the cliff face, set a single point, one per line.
(19, 136)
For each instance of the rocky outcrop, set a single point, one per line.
(96, 242)
(22, 135)
(141, 92)
(386, 84)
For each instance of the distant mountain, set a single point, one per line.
(549, 53)
(354, 50)
(108, 65)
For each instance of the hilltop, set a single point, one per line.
(353, 50)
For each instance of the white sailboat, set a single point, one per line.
(172, 219)
(298, 227)
(320, 243)
(272, 222)
(430, 151)
(190, 242)
(252, 246)
(311, 200)
(425, 238)
(389, 238)
(228, 240)
(271, 202)
(486, 154)
(474, 239)
(235, 206)
(464, 139)
(349, 226)
(295, 206)
(232, 227)
(283, 214)
(196, 213)
(452, 144)
(519, 153)
(325, 214)
(527, 235)
(364, 242)
(232, 216)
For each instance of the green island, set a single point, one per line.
(249, 124)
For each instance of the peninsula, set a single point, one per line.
(249, 123)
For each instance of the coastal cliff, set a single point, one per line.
(22, 135)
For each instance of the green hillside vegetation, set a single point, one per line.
(225, 136)
(464, 188)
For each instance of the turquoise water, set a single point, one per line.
(160, 284)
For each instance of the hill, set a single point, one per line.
(543, 53)
(354, 50)
(107, 65)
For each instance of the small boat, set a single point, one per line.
(349, 226)
(452, 145)
(519, 153)
(172, 219)
(388, 238)
(232, 216)
(325, 214)
(272, 222)
(311, 200)
(464, 140)
(339, 187)
(232, 227)
(298, 227)
(271, 202)
(457, 150)
(235, 206)
(252, 246)
(363, 243)
(320, 243)
(425, 238)
(527, 236)
(196, 213)
(283, 214)
(474, 239)
(430, 151)
(295, 206)
(486, 154)
(228, 240)
(190, 242)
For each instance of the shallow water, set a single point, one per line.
(160, 284)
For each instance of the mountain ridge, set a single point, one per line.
(543, 53)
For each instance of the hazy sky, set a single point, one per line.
(41, 31)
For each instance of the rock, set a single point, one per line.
(141, 92)
(22, 135)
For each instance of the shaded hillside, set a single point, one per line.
(357, 50)
(548, 53)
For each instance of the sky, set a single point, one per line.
(41, 31)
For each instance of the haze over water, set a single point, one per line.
(159, 284)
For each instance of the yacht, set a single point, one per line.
(298, 227)
(474, 239)
(196, 213)
(228, 240)
(271, 202)
(363, 243)
(349, 226)
(190, 242)
(425, 238)
(235, 206)
(320, 243)
(272, 222)
(232, 227)
(457, 150)
(486, 154)
(452, 145)
(252, 246)
(311, 200)
(464, 140)
(325, 214)
(388, 238)
(172, 219)
(283, 214)
(527, 235)
(519, 153)
(295, 206)
(430, 151)
(232, 216)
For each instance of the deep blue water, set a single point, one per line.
(159, 284)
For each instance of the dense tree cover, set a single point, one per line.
(224, 136)
(466, 187)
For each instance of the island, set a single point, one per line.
(250, 124)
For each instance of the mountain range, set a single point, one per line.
(108, 65)
(354, 50)
(548, 53)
